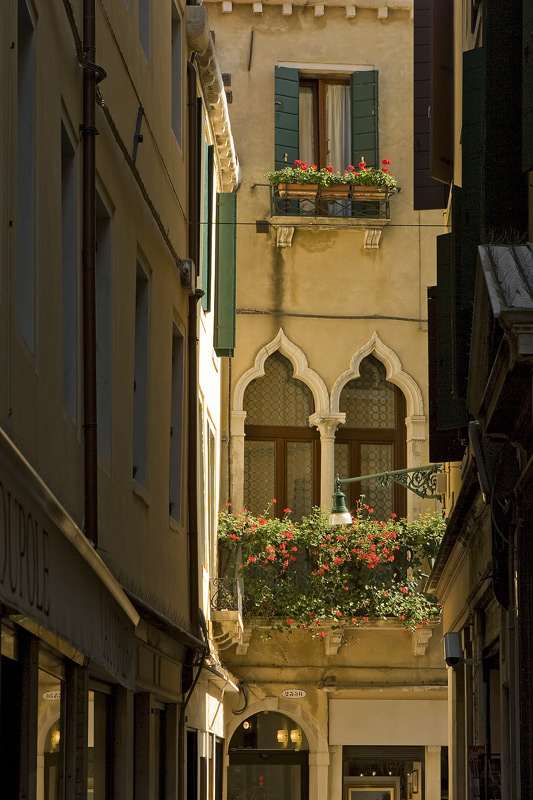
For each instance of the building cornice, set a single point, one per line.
(201, 41)
(381, 7)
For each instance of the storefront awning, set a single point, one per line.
(50, 572)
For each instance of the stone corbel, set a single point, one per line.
(332, 642)
(415, 427)
(420, 639)
(244, 643)
(372, 238)
(284, 234)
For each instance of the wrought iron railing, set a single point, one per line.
(322, 205)
(226, 594)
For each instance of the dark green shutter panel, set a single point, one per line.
(468, 222)
(527, 88)
(450, 411)
(286, 116)
(364, 105)
(206, 224)
(443, 445)
(225, 278)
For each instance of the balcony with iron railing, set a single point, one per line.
(331, 208)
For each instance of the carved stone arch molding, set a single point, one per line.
(318, 743)
(301, 371)
(415, 420)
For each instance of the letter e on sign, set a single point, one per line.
(294, 694)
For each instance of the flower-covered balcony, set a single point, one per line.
(329, 581)
(304, 196)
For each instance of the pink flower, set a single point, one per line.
(354, 622)
(393, 516)
(286, 511)
(273, 500)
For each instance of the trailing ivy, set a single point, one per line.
(307, 573)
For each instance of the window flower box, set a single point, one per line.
(305, 191)
(371, 193)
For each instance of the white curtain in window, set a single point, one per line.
(305, 125)
(338, 126)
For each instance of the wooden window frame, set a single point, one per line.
(396, 437)
(281, 435)
(318, 86)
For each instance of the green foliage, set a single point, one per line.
(309, 572)
(302, 173)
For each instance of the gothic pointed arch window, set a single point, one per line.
(373, 439)
(281, 450)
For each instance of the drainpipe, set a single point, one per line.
(88, 269)
(191, 659)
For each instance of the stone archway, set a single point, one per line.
(318, 744)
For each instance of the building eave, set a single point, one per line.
(201, 42)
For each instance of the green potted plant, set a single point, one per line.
(372, 183)
(298, 180)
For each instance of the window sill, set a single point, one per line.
(139, 490)
(285, 226)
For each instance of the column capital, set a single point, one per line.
(327, 424)
(237, 423)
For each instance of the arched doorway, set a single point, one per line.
(268, 759)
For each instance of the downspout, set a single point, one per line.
(89, 132)
(191, 660)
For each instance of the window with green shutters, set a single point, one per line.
(306, 107)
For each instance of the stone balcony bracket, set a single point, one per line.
(285, 226)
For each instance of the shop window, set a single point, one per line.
(281, 450)
(10, 713)
(373, 439)
(268, 757)
(99, 744)
(160, 748)
(51, 726)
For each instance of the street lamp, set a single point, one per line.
(420, 480)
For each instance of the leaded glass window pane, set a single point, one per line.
(377, 458)
(259, 479)
(278, 398)
(299, 478)
(342, 460)
(369, 400)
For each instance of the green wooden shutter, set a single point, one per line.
(364, 105)
(470, 217)
(286, 116)
(206, 224)
(450, 411)
(225, 277)
(527, 88)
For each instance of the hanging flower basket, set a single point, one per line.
(371, 193)
(307, 191)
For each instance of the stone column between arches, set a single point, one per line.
(327, 425)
